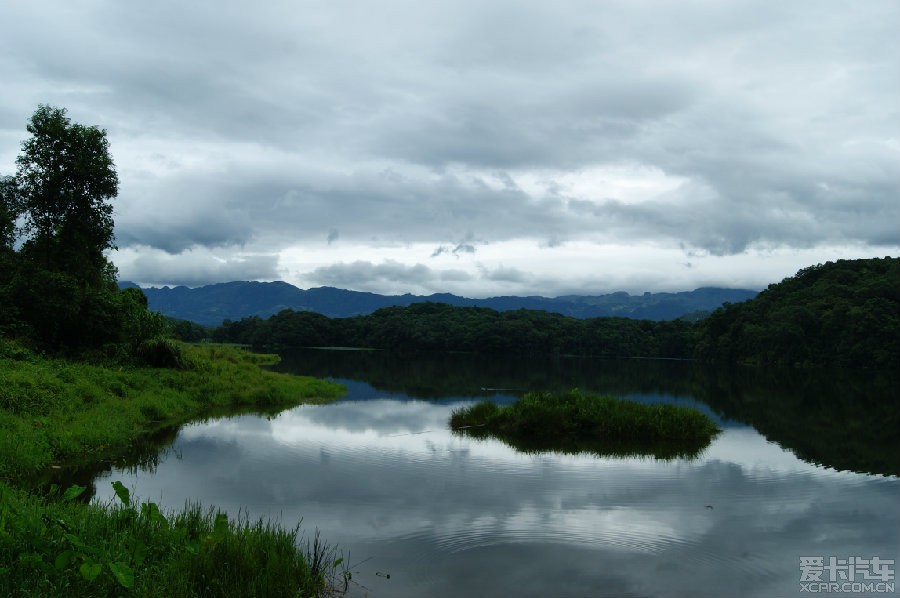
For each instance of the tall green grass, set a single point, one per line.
(60, 413)
(59, 547)
(574, 423)
(56, 411)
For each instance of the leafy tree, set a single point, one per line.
(58, 288)
(65, 179)
(187, 331)
(9, 212)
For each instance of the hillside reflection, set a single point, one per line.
(847, 420)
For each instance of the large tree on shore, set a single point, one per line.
(57, 287)
(9, 212)
(65, 180)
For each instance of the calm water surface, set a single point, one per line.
(381, 475)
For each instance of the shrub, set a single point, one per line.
(162, 352)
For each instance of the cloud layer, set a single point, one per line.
(306, 141)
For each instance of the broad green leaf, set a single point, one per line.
(73, 492)
(140, 552)
(122, 492)
(123, 574)
(81, 546)
(75, 540)
(64, 559)
(150, 511)
(90, 570)
(220, 528)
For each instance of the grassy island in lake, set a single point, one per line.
(574, 423)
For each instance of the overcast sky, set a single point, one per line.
(481, 148)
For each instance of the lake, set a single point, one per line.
(806, 466)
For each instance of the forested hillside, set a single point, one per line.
(844, 313)
(441, 327)
(212, 304)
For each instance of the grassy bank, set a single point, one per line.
(575, 423)
(50, 546)
(56, 412)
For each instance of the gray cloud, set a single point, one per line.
(194, 267)
(238, 130)
(462, 247)
(504, 274)
(364, 274)
(391, 275)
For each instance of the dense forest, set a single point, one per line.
(434, 327)
(844, 313)
(58, 291)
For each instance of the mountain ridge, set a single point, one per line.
(210, 305)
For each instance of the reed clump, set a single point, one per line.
(54, 545)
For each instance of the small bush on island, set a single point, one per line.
(577, 423)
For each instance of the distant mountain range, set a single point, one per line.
(212, 304)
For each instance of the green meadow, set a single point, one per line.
(57, 412)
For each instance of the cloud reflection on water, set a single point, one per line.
(449, 515)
